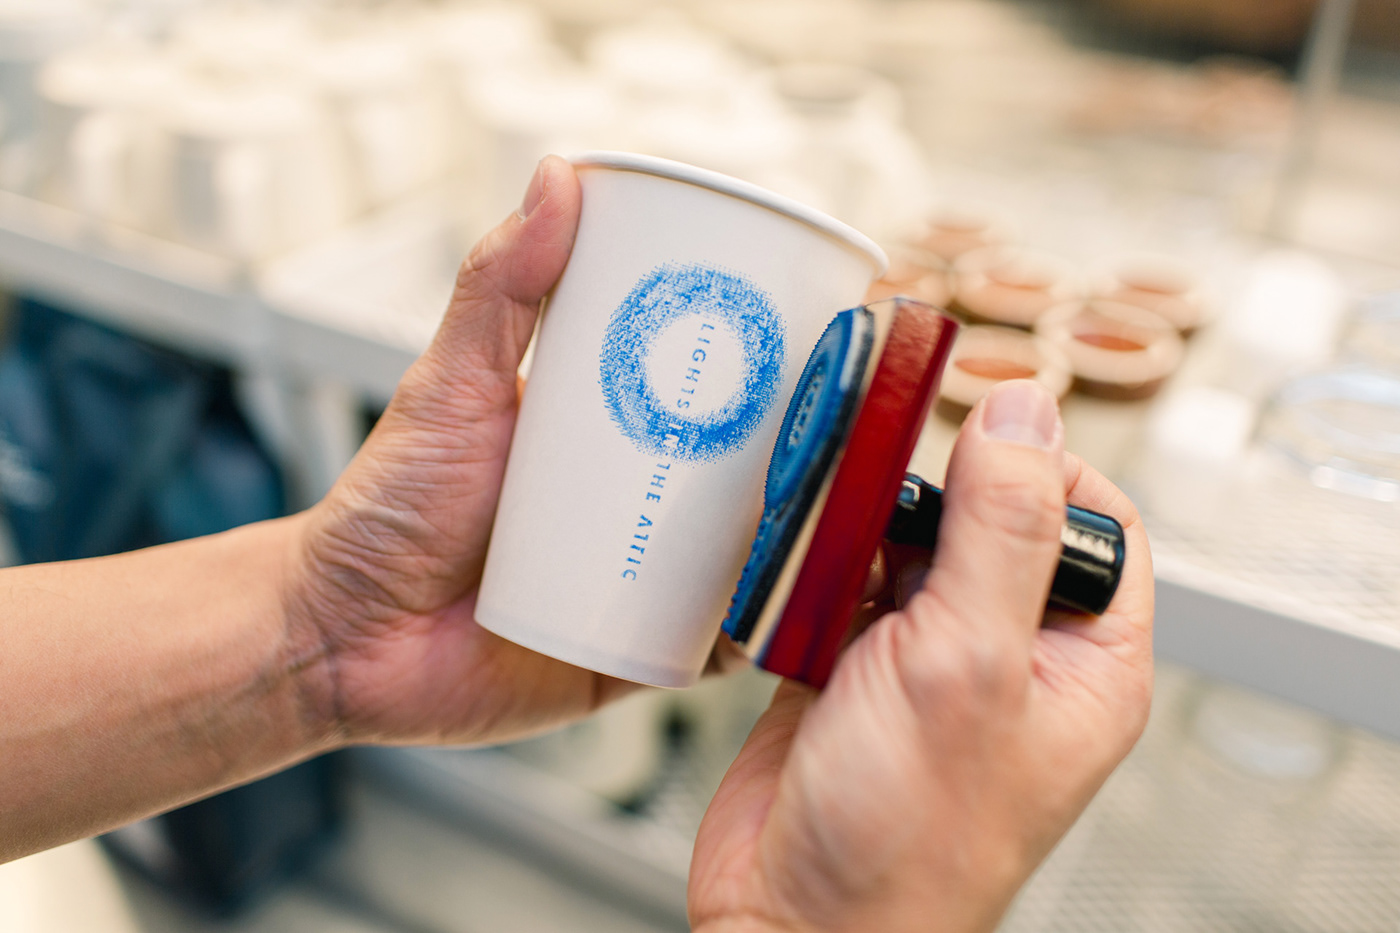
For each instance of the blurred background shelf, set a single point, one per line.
(160, 290)
(297, 315)
(313, 338)
(643, 861)
(359, 306)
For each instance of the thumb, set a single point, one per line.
(999, 538)
(500, 286)
(425, 483)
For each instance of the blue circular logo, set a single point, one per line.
(691, 362)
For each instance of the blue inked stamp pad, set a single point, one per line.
(704, 316)
(813, 430)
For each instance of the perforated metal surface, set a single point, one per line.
(1174, 843)
(1180, 838)
(1267, 536)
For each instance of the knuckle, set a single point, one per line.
(958, 666)
(1025, 507)
(986, 668)
(480, 265)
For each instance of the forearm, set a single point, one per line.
(134, 683)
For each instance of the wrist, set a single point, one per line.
(309, 648)
(144, 680)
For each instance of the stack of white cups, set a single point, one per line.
(250, 129)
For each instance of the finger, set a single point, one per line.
(886, 570)
(725, 658)
(865, 617)
(877, 582)
(999, 538)
(502, 282)
(463, 392)
(1128, 622)
(430, 473)
(910, 580)
(1087, 488)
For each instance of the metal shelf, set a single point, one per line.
(1290, 589)
(303, 331)
(638, 860)
(281, 317)
(1177, 839)
(360, 306)
(158, 290)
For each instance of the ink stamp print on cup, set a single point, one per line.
(691, 362)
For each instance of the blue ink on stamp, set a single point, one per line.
(665, 424)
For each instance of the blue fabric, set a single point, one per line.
(108, 443)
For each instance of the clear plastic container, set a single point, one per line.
(1343, 427)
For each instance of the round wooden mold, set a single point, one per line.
(1115, 350)
(1011, 287)
(984, 356)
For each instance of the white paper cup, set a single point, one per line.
(664, 364)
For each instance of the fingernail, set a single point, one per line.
(1022, 412)
(534, 194)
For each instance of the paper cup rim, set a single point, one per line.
(736, 188)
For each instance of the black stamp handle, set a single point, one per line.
(1091, 554)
